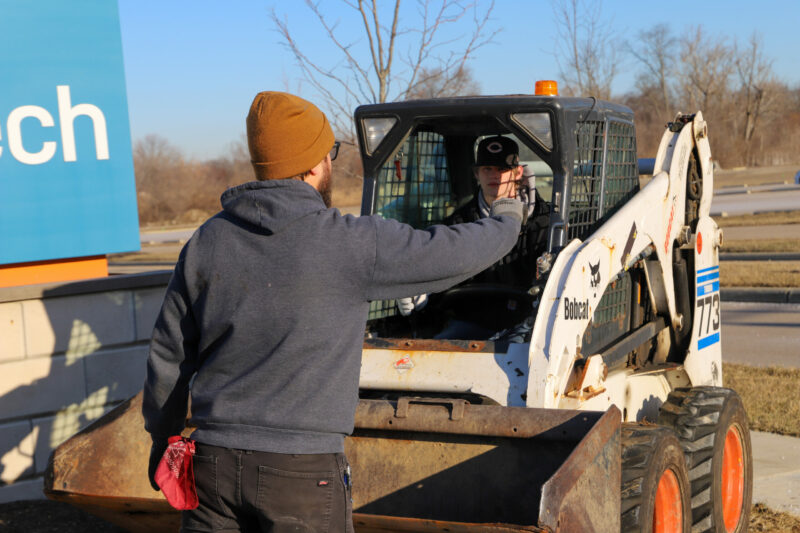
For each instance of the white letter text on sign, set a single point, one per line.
(67, 114)
(14, 130)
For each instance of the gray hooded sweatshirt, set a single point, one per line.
(267, 306)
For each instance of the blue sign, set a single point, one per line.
(66, 171)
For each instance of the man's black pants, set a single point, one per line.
(249, 491)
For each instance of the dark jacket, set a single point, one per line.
(518, 267)
(267, 307)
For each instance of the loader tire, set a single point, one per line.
(712, 426)
(655, 483)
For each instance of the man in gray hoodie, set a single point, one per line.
(263, 324)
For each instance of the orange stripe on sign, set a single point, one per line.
(56, 270)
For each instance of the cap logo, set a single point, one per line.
(494, 147)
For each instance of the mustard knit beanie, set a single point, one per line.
(286, 135)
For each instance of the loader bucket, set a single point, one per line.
(418, 465)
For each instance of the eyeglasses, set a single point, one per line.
(335, 150)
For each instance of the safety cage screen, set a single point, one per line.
(413, 187)
(622, 168)
(605, 174)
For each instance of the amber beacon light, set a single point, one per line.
(546, 88)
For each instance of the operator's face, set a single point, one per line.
(497, 182)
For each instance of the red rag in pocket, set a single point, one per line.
(175, 474)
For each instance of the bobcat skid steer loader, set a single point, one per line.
(595, 404)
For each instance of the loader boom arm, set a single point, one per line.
(647, 228)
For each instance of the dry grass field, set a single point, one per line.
(764, 519)
(773, 413)
(759, 219)
(347, 194)
(739, 177)
(150, 253)
(762, 245)
(760, 273)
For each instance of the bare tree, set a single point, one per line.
(586, 51)
(154, 152)
(171, 189)
(707, 66)
(435, 83)
(655, 50)
(238, 162)
(777, 144)
(158, 167)
(755, 75)
(390, 61)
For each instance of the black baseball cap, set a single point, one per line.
(497, 151)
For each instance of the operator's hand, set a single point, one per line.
(412, 303)
(156, 452)
(527, 192)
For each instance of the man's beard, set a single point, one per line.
(325, 186)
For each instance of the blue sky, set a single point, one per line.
(193, 67)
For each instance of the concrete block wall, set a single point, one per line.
(69, 352)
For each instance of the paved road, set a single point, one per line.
(116, 269)
(776, 471)
(161, 236)
(757, 202)
(761, 334)
(747, 189)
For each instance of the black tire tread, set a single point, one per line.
(639, 444)
(694, 414)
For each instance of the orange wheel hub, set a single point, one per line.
(732, 487)
(668, 512)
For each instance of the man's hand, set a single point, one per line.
(156, 452)
(510, 207)
(412, 303)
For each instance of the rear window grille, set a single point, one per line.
(622, 172)
(584, 204)
(413, 187)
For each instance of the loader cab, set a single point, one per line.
(418, 159)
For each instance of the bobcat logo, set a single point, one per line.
(595, 270)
